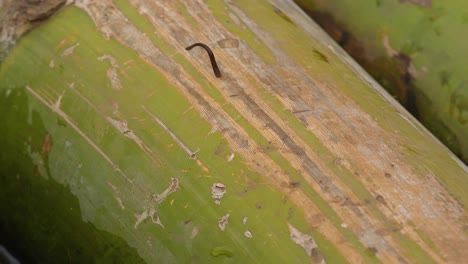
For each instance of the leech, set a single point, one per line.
(216, 71)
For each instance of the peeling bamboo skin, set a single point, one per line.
(415, 49)
(291, 156)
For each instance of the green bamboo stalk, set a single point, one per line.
(301, 156)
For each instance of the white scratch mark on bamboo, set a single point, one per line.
(55, 108)
(156, 199)
(231, 157)
(69, 51)
(116, 196)
(111, 59)
(176, 139)
(195, 231)
(307, 243)
(223, 222)
(148, 213)
(122, 126)
(217, 192)
(58, 103)
(112, 74)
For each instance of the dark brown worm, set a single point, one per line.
(216, 71)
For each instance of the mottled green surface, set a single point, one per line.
(62, 196)
(41, 220)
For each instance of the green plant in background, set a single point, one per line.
(415, 49)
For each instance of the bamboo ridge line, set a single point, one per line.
(176, 139)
